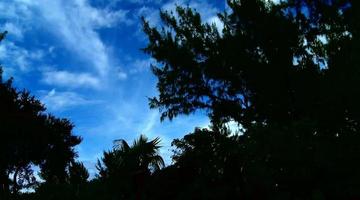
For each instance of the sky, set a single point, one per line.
(83, 60)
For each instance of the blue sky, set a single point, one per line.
(82, 59)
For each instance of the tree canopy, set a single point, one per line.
(288, 73)
(271, 63)
(30, 136)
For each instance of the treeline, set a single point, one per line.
(287, 73)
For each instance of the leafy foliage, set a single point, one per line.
(78, 174)
(126, 168)
(31, 137)
(286, 72)
(269, 64)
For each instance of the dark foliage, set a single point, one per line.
(31, 137)
(126, 170)
(207, 165)
(287, 73)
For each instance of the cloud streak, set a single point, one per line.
(207, 11)
(70, 80)
(60, 101)
(18, 57)
(75, 23)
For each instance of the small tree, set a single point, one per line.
(78, 174)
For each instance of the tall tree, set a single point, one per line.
(271, 62)
(21, 125)
(60, 153)
(287, 72)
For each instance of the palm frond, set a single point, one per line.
(121, 145)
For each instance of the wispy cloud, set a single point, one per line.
(140, 65)
(138, 2)
(13, 30)
(70, 80)
(18, 57)
(121, 75)
(207, 10)
(15, 10)
(149, 123)
(74, 23)
(60, 101)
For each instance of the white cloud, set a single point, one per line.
(150, 13)
(276, 1)
(218, 23)
(72, 80)
(18, 57)
(138, 65)
(207, 11)
(114, 2)
(59, 101)
(13, 30)
(235, 127)
(150, 123)
(14, 10)
(75, 23)
(121, 75)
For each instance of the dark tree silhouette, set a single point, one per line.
(209, 161)
(21, 122)
(30, 137)
(60, 153)
(287, 73)
(271, 63)
(126, 168)
(78, 173)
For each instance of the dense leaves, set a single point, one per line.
(287, 73)
(270, 64)
(31, 137)
(126, 169)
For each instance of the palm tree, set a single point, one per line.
(127, 164)
(143, 152)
